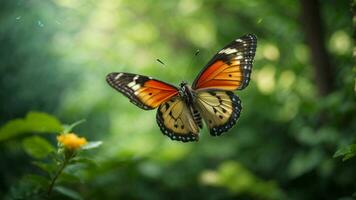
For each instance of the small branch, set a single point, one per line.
(50, 188)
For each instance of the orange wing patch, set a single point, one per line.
(221, 75)
(154, 93)
(143, 91)
(230, 68)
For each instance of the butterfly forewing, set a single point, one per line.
(220, 109)
(175, 120)
(143, 91)
(230, 68)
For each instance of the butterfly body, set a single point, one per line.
(186, 92)
(181, 111)
(189, 95)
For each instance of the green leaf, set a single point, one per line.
(69, 177)
(82, 160)
(27, 188)
(43, 122)
(347, 152)
(34, 122)
(68, 192)
(238, 179)
(92, 145)
(37, 147)
(36, 179)
(68, 128)
(47, 167)
(304, 162)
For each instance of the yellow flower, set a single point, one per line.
(71, 141)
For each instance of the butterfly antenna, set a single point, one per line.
(197, 52)
(160, 61)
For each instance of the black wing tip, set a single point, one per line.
(252, 36)
(236, 102)
(109, 77)
(113, 79)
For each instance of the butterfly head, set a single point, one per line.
(182, 84)
(183, 88)
(185, 91)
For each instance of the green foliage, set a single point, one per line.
(240, 180)
(36, 180)
(304, 162)
(48, 167)
(68, 192)
(60, 165)
(68, 128)
(346, 152)
(92, 145)
(28, 187)
(34, 122)
(37, 147)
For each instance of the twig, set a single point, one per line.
(50, 188)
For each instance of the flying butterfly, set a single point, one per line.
(211, 98)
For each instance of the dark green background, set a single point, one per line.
(55, 54)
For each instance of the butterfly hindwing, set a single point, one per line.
(230, 68)
(143, 91)
(176, 121)
(219, 109)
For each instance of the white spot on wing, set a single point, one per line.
(228, 51)
(118, 76)
(239, 57)
(136, 87)
(136, 77)
(131, 84)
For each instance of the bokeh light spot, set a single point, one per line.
(187, 7)
(202, 34)
(301, 53)
(265, 79)
(340, 42)
(286, 79)
(270, 52)
(209, 177)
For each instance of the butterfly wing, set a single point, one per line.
(143, 91)
(230, 68)
(176, 121)
(219, 109)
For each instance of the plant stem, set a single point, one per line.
(50, 188)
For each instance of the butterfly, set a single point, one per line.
(181, 110)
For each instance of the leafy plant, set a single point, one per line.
(53, 161)
(34, 122)
(346, 152)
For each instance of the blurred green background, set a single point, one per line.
(297, 111)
